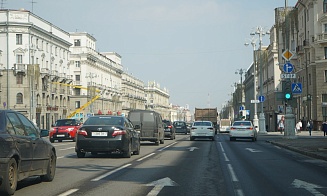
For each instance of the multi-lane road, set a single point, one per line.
(184, 167)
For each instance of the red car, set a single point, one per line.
(64, 129)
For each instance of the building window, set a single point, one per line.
(78, 63)
(19, 39)
(325, 76)
(77, 104)
(325, 52)
(19, 59)
(77, 42)
(324, 98)
(309, 79)
(19, 98)
(78, 78)
(325, 6)
(19, 78)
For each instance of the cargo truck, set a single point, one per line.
(206, 114)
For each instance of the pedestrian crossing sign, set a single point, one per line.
(297, 88)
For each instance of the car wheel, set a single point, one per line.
(156, 143)
(51, 140)
(137, 152)
(231, 139)
(191, 138)
(172, 137)
(74, 139)
(127, 153)
(213, 138)
(9, 182)
(51, 169)
(162, 141)
(80, 154)
(253, 139)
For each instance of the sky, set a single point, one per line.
(191, 47)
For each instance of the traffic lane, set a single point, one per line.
(71, 171)
(272, 169)
(184, 168)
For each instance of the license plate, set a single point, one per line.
(99, 133)
(60, 135)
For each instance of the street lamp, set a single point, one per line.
(241, 72)
(260, 31)
(255, 115)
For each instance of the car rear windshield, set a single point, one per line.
(202, 124)
(242, 124)
(110, 120)
(179, 123)
(66, 122)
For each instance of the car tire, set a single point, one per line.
(191, 138)
(231, 139)
(80, 154)
(213, 138)
(9, 182)
(156, 143)
(127, 153)
(162, 141)
(253, 139)
(74, 139)
(172, 137)
(137, 152)
(51, 140)
(51, 169)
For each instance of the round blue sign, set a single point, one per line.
(261, 98)
(288, 68)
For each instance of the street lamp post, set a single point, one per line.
(241, 72)
(255, 115)
(260, 32)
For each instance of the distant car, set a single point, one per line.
(242, 130)
(202, 129)
(23, 151)
(180, 127)
(169, 129)
(107, 134)
(64, 129)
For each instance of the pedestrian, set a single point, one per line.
(324, 128)
(281, 126)
(298, 126)
(310, 126)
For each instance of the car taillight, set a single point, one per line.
(169, 126)
(118, 132)
(232, 128)
(210, 128)
(82, 132)
(251, 128)
(193, 128)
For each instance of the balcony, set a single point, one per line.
(20, 68)
(62, 77)
(322, 38)
(54, 75)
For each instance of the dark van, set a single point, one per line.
(150, 125)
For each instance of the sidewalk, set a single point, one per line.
(314, 146)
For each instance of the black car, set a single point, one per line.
(107, 134)
(180, 127)
(169, 129)
(23, 151)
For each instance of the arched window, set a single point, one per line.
(19, 98)
(325, 6)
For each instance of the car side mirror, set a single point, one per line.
(137, 127)
(44, 133)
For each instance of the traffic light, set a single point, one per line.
(288, 90)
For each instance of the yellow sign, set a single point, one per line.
(287, 55)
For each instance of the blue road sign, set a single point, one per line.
(261, 98)
(288, 68)
(241, 107)
(297, 88)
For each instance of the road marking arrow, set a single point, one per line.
(307, 186)
(159, 184)
(193, 148)
(252, 150)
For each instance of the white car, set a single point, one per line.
(202, 129)
(243, 130)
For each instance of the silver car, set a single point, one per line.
(202, 129)
(243, 130)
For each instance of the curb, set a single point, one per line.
(307, 153)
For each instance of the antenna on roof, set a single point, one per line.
(32, 2)
(2, 2)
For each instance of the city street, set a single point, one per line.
(183, 167)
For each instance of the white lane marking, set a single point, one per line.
(71, 191)
(252, 150)
(68, 155)
(111, 172)
(167, 146)
(278, 147)
(67, 148)
(159, 185)
(310, 187)
(221, 146)
(192, 148)
(226, 158)
(232, 173)
(141, 159)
